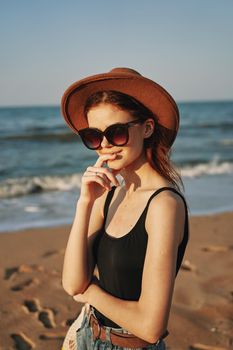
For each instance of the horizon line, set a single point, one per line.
(58, 105)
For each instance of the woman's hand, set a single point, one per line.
(87, 296)
(97, 179)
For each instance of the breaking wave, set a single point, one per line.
(23, 186)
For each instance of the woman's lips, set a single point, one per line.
(111, 158)
(112, 153)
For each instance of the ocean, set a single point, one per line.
(41, 163)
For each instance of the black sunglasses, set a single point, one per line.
(116, 134)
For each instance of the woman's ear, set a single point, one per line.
(149, 128)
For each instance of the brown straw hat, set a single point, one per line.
(129, 82)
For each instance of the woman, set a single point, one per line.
(135, 232)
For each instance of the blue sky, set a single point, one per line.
(184, 45)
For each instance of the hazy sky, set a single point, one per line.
(184, 45)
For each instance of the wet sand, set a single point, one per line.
(35, 312)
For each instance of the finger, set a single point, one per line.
(96, 178)
(89, 173)
(101, 175)
(106, 172)
(103, 159)
(76, 297)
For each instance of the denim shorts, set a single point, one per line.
(85, 339)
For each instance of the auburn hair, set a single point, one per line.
(157, 145)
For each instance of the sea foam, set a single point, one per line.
(23, 186)
(211, 168)
(18, 187)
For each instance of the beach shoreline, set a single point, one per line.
(35, 309)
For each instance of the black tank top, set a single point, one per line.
(120, 260)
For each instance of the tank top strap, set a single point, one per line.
(186, 224)
(164, 189)
(144, 213)
(108, 201)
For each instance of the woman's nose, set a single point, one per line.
(105, 143)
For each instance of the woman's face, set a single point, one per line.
(105, 115)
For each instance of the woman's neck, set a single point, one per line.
(140, 177)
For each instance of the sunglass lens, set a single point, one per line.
(118, 135)
(91, 138)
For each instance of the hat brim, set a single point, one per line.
(149, 93)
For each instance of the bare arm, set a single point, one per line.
(147, 318)
(78, 262)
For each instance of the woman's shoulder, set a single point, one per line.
(167, 205)
(168, 198)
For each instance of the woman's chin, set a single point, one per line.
(113, 163)
(116, 168)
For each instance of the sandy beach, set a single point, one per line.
(35, 312)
